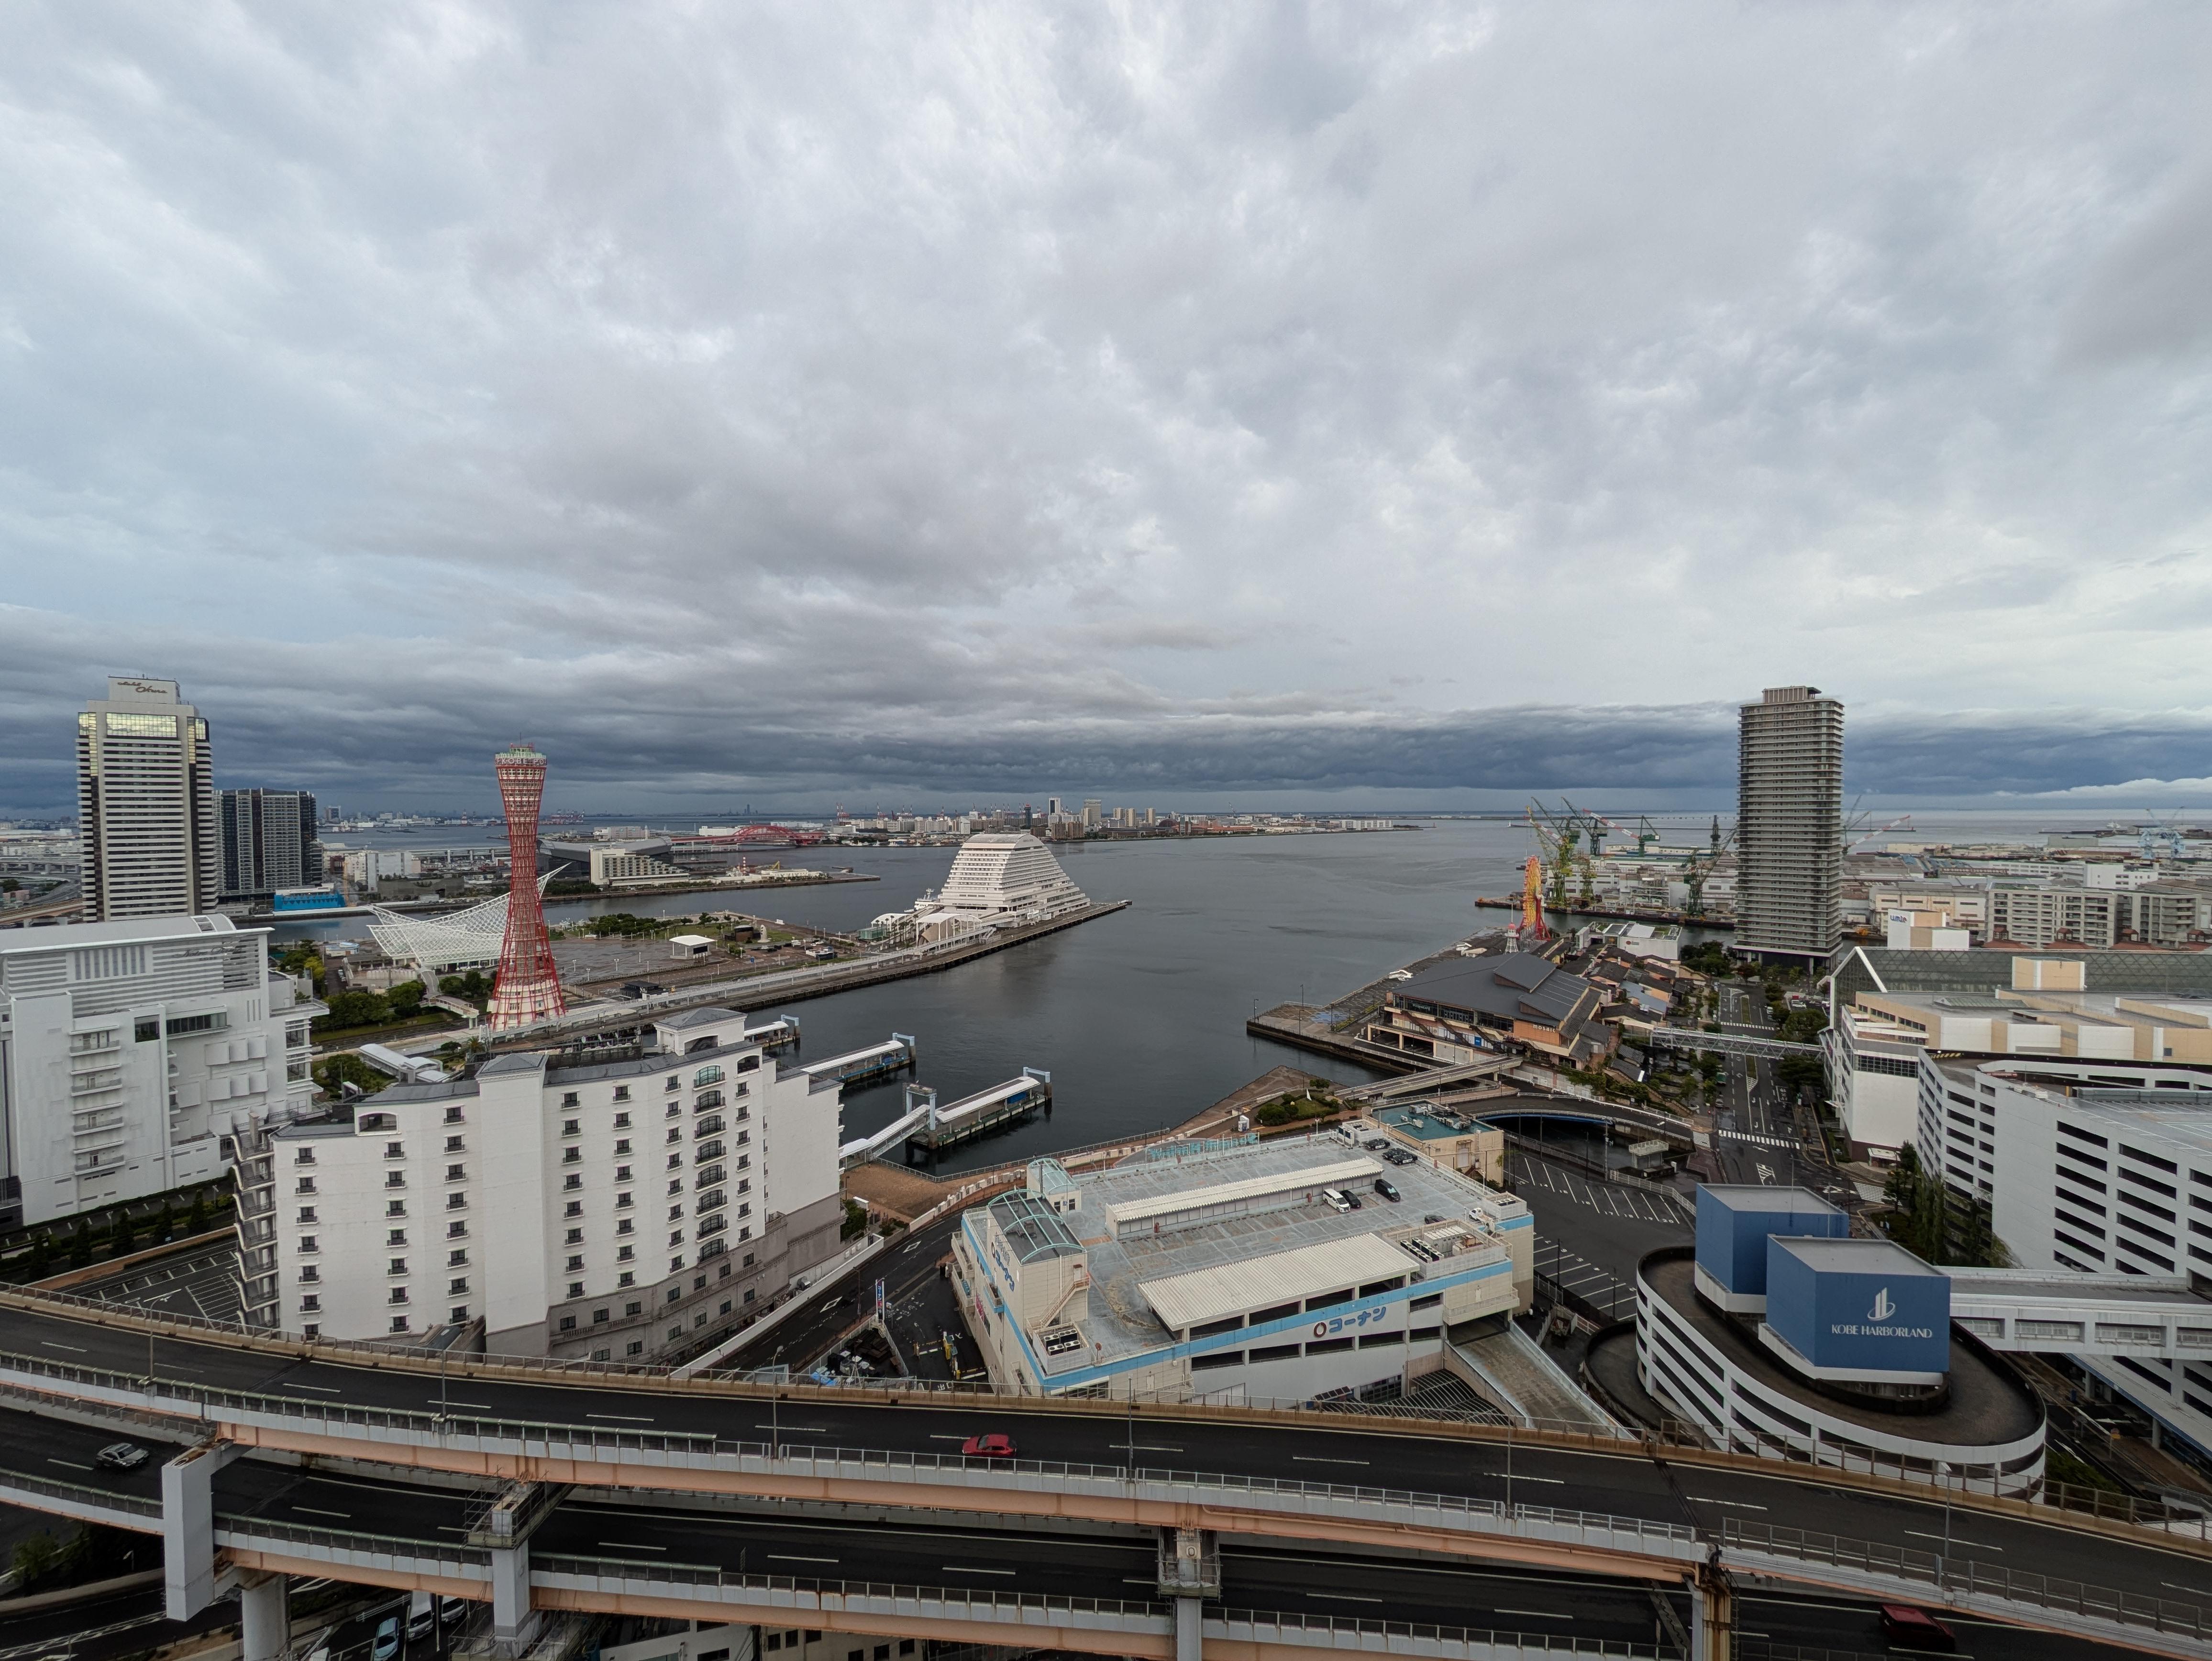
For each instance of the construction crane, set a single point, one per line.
(1851, 843)
(1698, 866)
(1561, 837)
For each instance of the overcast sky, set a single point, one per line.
(1168, 404)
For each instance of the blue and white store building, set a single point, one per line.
(1781, 1334)
(1237, 1273)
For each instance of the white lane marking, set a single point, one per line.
(962, 1568)
(317, 1511)
(814, 1430)
(632, 1545)
(1542, 1614)
(1341, 1598)
(1956, 1545)
(785, 1557)
(1742, 1505)
(1556, 1481)
(1305, 1459)
(481, 1407)
(71, 1464)
(50, 1343)
(290, 1383)
(937, 1436)
(620, 1418)
(1147, 1447)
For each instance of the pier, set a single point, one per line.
(878, 1061)
(763, 991)
(1003, 1104)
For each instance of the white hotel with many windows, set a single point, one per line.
(131, 1050)
(602, 1212)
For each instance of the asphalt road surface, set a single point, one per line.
(1379, 1453)
(834, 1308)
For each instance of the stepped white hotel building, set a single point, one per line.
(997, 878)
(605, 1212)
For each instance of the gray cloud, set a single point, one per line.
(1237, 395)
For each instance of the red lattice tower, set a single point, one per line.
(528, 986)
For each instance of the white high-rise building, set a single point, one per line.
(608, 1211)
(145, 786)
(131, 1052)
(1789, 824)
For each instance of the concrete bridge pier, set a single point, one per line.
(512, 1620)
(188, 1527)
(505, 1529)
(1712, 1614)
(1189, 1573)
(264, 1607)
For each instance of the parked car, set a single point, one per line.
(1376, 1144)
(421, 1615)
(1916, 1629)
(386, 1644)
(1336, 1199)
(1387, 1190)
(1399, 1156)
(452, 1610)
(121, 1455)
(996, 1444)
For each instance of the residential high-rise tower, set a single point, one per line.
(528, 986)
(145, 785)
(1789, 824)
(268, 842)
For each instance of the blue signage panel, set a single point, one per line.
(1866, 1306)
(306, 899)
(1734, 1222)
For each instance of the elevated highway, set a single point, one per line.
(1328, 1486)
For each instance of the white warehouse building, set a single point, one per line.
(130, 1050)
(606, 1211)
(1240, 1274)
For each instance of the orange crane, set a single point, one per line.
(1533, 929)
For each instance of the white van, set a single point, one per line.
(421, 1615)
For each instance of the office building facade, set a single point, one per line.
(1789, 824)
(606, 1212)
(131, 1052)
(146, 801)
(2091, 1168)
(268, 842)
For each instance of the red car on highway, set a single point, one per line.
(996, 1446)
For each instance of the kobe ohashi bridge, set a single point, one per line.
(1114, 1528)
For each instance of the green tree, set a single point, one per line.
(196, 1220)
(165, 1225)
(80, 1252)
(124, 1236)
(357, 1009)
(42, 1255)
(38, 1558)
(406, 999)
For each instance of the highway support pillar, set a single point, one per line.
(188, 1528)
(1712, 1613)
(1189, 1573)
(264, 1607)
(512, 1620)
(504, 1529)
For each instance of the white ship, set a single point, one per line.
(997, 878)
